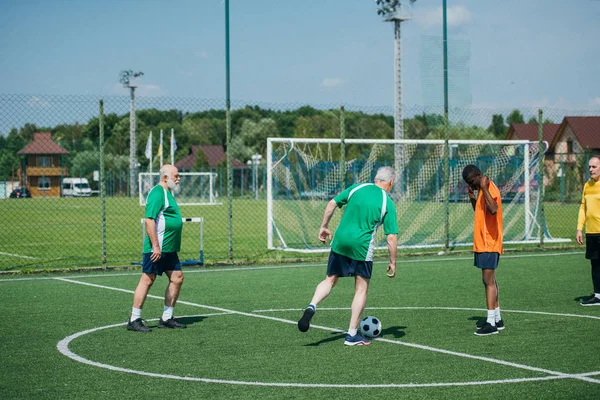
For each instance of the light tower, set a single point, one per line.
(394, 11)
(125, 79)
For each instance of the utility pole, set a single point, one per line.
(125, 79)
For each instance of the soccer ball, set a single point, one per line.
(370, 326)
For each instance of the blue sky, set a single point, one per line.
(523, 53)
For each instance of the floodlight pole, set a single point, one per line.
(394, 15)
(132, 143)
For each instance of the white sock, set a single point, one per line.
(491, 319)
(597, 295)
(167, 313)
(352, 332)
(312, 306)
(497, 314)
(135, 314)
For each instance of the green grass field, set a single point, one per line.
(67, 233)
(64, 334)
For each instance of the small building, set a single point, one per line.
(41, 170)
(213, 154)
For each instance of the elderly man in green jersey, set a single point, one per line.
(163, 225)
(368, 205)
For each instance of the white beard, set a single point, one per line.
(173, 187)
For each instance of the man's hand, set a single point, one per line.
(484, 182)
(579, 237)
(155, 254)
(324, 234)
(391, 269)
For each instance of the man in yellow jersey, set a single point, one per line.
(589, 215)
(368, 205)
(487, 242)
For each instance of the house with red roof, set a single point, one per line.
(41, 171)
(214, 155)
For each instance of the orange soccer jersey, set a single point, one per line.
(488, 232)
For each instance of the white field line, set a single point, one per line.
(282, 266)
(18, 255)
(556, 374)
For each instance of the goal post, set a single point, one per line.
(303, 174)
(195, 188)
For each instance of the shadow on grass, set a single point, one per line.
(185, 320)
(478, 320)
(396, 331)
(582, 298)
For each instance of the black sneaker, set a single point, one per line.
(592, 301)
(138, 326)
(499, 324)
(304, 322)
(171, 323)
(487, 329)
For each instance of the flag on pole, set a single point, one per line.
(148, 152)
(160, 147)
(173, 147)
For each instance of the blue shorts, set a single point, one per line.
(487, 260)
(344, 266)
(167, 262)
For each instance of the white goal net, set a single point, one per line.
(195, 188)
(303, 174)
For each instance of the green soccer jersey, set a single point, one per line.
(162, 208)
(367, 207)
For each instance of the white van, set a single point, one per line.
(76, 187)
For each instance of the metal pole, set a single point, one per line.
(540, 214)
(132, 145)
(228, 135)
(342, 148)
(398, 122)
(102, 186)
(446, 137)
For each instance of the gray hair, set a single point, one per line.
(166, 169)
(385, 174)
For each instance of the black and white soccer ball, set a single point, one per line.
(370, 326)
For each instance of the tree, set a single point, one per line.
(497, 127)
(515, 117)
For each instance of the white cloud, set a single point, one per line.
(595, 102)
(455, 16)
(332, 82)
(38, 102)
(141, 90)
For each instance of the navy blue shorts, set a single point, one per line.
(592, 246)
(167, 262)
(345, 266)
(487, 260)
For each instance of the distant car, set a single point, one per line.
(20, 193)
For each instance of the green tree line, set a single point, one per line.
(251, 126)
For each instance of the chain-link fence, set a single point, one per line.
(50, 169)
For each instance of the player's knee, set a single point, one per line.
(177, 279)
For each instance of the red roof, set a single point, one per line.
(530, 132)
(585, 129)
(42, 144)
(215, 155)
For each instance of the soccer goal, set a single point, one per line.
(303, 174)
(195, 188)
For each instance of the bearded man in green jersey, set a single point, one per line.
(163, 226)
(368, 205)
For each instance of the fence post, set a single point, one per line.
(102, 188)
(540, 214)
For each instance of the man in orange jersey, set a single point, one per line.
(589, 215)
(487, 241)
